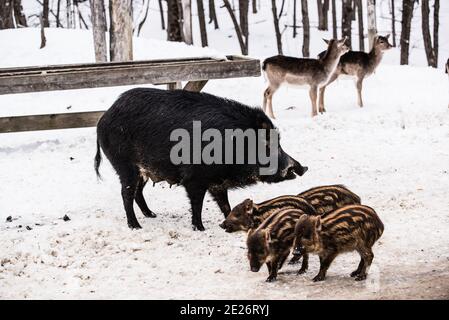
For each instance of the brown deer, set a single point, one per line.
(357, 64)
(315, 73)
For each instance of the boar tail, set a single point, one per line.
(98, 160)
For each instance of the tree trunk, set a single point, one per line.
(243, 45)
(294, 19)
(334, 20)
(45, 14)
(346, 21)
(436, 26)
(98, 19)
(202, 23)
(20, 18)
(121, 31)
(6, 14)
(58, 12)
(407, 15)
(43, 38)
(254, 3)
(161, 10)
(372, 24)
(243, 15)
(173, 21)
(306, 29)
(187, 21)
(213, 14)
(430, 53)
(276, 26)
(360, 20)
(143, 15)
(323, 9)
(393, 23)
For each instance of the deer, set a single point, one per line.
(315, 73)
(357, 64)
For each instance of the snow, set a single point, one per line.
(394, 153)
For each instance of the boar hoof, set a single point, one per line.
(294, 260)
(318, 278)
(360, 277)
(149, 214)
(354, 273)
(302, 271)
(270, 279)
(134, 225)
(198, 227)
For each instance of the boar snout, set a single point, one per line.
(255, 268)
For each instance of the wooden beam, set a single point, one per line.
(50, 121)
(174, 85)
(21, 80)
(195, 86)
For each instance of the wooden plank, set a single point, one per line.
(50, 121)
(195, 86)
(174, 85)
(146, 73)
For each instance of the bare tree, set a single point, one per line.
(121, 31)
(57, 15)
(202, 23)
(187, 21)
(6, 14)
(294, 19)
(254, 5)
(334, 20)
(323, 9)
(213, 14)
(243, 44)
(432, 56)
(306, 29)
(407, 15)
(346, 21)
(276, 26)
(19, 16)
(372, 24)
(243, 15)
(142, 18)
(45, 12)
(161, 11)
(43, 38)
(393, 23)
(98, 17)
(436, 26)
(173, 21)
(360, 21)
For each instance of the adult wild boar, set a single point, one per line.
(140, 135)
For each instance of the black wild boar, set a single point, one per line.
(249, 215)
(271, 242)
(352, 228)
(135, 134)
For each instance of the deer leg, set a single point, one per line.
(313, 98)
(321, 100)
(359, 85)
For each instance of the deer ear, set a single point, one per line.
(387, 36)
(327, 41)
(249, 205)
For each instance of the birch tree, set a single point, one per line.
(121, 30)
(372, 25)
(99, 28)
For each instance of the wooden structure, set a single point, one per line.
(196, 71)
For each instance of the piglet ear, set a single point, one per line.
(318, 224)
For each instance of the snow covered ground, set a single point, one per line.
(394, 153)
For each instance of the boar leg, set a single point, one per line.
(325, 262)
(273, 270)
(359, 268)
(305, 264)
(221, 198)
(129, 178)
(294, 259)
(367, 257)
(196, 195)
(140, 200)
